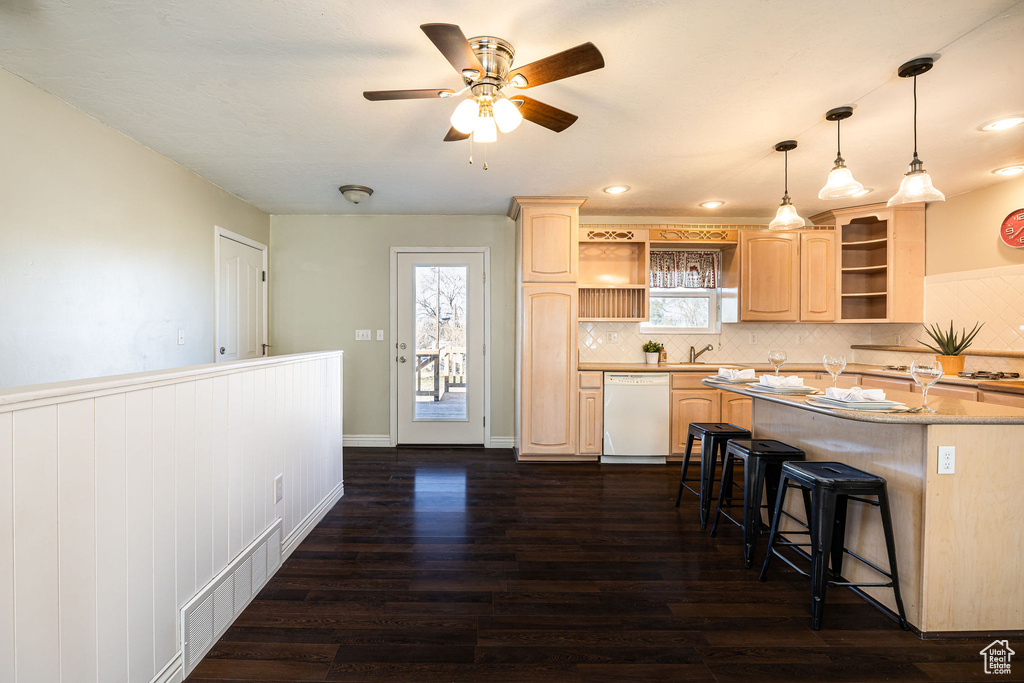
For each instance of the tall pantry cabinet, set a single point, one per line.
(547, 267)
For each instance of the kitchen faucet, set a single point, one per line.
(695, 354)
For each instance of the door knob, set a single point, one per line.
(401, 359)
(222, 350)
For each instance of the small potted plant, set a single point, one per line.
(949, 345)
(652, 351)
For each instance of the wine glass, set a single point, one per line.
(777, 359)
(925, 373)
(835, 365)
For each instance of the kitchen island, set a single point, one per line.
(960, 536)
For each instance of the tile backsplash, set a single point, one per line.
(994, 296)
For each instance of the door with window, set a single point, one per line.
(439, 359)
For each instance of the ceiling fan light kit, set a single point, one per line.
(786, 218)
(840, 183)
(916, 185)
(485, 65)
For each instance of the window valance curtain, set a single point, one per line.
(689, 269)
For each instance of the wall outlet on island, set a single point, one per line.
(753, 339)
(947, 459)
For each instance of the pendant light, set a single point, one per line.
(786, 218)
(916, 185)
(840, 181)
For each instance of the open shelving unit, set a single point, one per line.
(614, 274)
(864, 269)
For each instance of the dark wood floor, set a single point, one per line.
(442, 565)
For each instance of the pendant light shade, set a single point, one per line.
(506, 115)
(786, 218)
(464, 117)
(840, 183)
(485, 129)
(916, 185)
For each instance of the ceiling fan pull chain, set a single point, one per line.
(485, 157)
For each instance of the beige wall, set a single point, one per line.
(330, 275)
(106, 247)
(963, 231)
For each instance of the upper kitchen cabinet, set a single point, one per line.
(614, 269)
(880, 268)
(549, 230)
(787, 275)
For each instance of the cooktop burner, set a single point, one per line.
(984, 374)
(897, 368)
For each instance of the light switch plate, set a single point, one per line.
(181, 337)
(947, 460)
(278, 488)
(380, 335)
(362, 335)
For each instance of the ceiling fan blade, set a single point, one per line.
(542, 114)
(377, 95)
(451, 41)
(455, 136)
(572, 62)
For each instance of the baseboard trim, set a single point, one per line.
(171, 673)
(502, 442)
(367, 440)
(292, 541)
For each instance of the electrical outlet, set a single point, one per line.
(800, 338)
(278, 488)
(181, 337)
(362, 335)
(753, 339)
(613, 337)
(898, 338)
(947, 459)
(380, 335)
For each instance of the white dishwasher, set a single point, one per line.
(636, 417)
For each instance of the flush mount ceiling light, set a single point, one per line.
(786, 218)
(1003, 123)
(1009, 170)
(355, 193)
(711, 205)
(616, 189)
(840, 183)
(916, 185)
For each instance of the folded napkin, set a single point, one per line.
(731, 373)
(782, 381)
(855, 394)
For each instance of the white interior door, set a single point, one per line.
(440, 354)
(240, 301)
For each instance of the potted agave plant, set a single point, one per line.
(949, 345)
(652, 351)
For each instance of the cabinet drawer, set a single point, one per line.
(591, 380)
(886, 383)
(689, 380)
(950, 391)
(1003, 398)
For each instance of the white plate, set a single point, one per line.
(782, 390)
(859, 405)
(723, 380)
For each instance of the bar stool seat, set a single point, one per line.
(831, 486)
(762, 465)
(713, 437)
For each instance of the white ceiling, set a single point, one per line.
(265, 98)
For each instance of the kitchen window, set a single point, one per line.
(684, 292)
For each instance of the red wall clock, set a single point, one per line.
(1012, 229)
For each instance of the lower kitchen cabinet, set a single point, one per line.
(692, 406)
(949, 391)
(591, 410)
(1002, 398)
(891, 384)
(737, 410)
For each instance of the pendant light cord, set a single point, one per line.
(787, 173)
(839, 146)
(915, 117)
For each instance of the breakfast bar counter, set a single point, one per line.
(959, 536)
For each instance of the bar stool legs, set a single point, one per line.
(686, 466)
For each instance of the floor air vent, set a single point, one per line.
(206, 616)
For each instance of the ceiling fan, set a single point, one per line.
(485, 64)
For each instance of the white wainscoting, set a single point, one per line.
(120, 498)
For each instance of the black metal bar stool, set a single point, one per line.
(713, 437)
(762, 461)
(832, 485)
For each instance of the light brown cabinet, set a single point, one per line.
(949, 391)
(691, 405)
(1002, 398)
(887, 383)
(787, 276)
(550, 246)
(591, 407)
(737, 410)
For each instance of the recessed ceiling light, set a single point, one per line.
(1009, 170)
(1004, 123)
(711, 205)
(616, 189)
(861, 193)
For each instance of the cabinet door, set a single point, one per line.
(548, 409)
(550, 243)
(818, 276)
(1003, 398)
(769, 276)
(886, 383)
(591, 423)
(737, 410)
(950, 391)
(691, 406)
